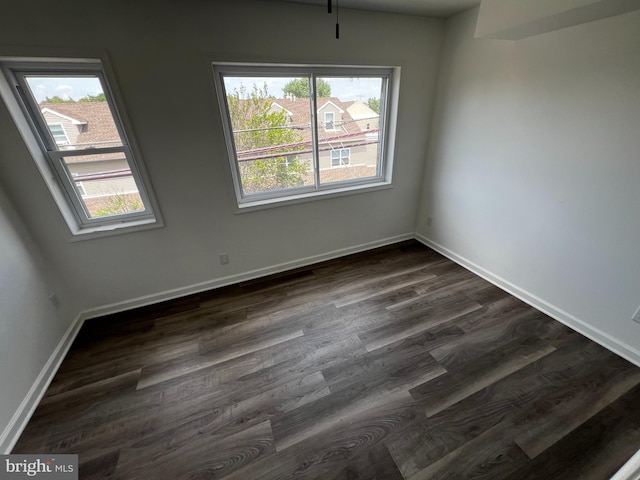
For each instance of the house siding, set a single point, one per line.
(72, 131)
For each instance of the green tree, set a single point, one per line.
(86, 99)
(57, 99)
(119, 203)
(299, 87)
(93, 98)
(257, 126)
(374, 104)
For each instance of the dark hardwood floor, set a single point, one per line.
(391, 364)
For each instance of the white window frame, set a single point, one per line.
(341, 158)
(48, 154)
(386, 143)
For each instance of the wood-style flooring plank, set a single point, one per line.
(206, 458)
(485, 370)
(333, 448)
(434, 313)
(593, 451)
(490, 455)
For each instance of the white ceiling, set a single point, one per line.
(436, 8)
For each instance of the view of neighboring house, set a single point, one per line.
(104, 181)
(347, 140)
(347, 136)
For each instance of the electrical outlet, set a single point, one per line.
(636, 316)
(429, 221)
(224, 259)
(55, 301)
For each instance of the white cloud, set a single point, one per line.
(64, 90)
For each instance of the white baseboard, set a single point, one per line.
(241, 277)
(615, 345)
(18, 422)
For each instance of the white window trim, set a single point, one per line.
(80, 231)
(386, 144)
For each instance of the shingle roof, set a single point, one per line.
(301, 117)
(100, 128)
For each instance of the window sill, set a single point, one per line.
(262, 204)
(89, 233)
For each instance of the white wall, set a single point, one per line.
(159, 52)
(518, 19)
(30, 327)
(534, 168)
(498, 15)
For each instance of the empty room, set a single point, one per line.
(320, 239)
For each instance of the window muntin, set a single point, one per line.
(343, 100)
(94, 166)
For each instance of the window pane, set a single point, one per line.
(105, 184)
(271, 125)
(75, 110)
(349, 109)
(59, 134)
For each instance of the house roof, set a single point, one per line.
(301, 117)
(74, 121)
(95, 126)
(360, 111)
(95, 120)
(347, 131)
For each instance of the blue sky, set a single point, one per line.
(345, 88)
(66, 88)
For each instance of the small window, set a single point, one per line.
(75, 123)
(59, 135)
(283, 140)
(329, 118)
(340, 157)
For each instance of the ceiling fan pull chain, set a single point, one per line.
(337, 20)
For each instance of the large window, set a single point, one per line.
(287, 129)
(71, 115)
